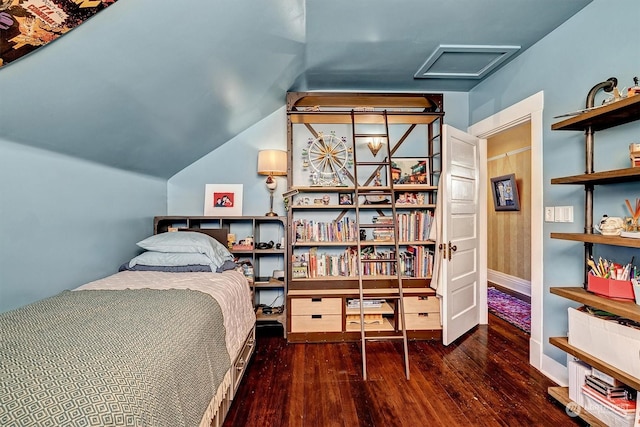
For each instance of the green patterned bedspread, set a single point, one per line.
(112, 358)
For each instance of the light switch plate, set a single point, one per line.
(564, 213)
(549, 214)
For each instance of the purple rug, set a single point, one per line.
(509, 308)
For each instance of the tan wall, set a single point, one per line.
(509, 232)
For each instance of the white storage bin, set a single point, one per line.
(615, 344)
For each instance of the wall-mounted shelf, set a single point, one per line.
(614, 114)
(599, 178)
(604, 117)
(599, 239)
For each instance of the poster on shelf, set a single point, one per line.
(27, 25)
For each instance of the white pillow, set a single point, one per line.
(188, 242)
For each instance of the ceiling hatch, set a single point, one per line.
(464, 61)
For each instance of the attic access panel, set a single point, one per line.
(464, 61)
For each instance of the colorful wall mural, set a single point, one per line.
(27, 25)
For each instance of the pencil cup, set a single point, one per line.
(636, 291)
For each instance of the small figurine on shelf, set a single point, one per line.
(635, 89)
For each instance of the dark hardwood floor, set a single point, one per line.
(483, 380)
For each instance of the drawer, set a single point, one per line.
(421, 304)
(319, 305)
(426, 321)
(316, 323)
(240, 365)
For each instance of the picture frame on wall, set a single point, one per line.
(505, 193)
(223, 200)
(410, 170)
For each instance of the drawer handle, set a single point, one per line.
(423, 314)
(316, 316)
(423, 298)
(316, 299)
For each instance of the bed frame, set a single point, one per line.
(240, 364)
(238, 369)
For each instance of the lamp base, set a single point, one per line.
(271, 214)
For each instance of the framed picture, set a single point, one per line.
(345, 198)
(505, 193)
(223, 200)
(410, 170)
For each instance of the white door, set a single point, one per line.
(459, 268)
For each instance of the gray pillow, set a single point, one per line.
(188, 242)
(167, 269)
(171, 259)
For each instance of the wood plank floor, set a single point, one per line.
(482, 380)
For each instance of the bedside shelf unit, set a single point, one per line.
(323, 229)
(264, 261)
(617, 113)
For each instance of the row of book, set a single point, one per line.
(318, 231)
(416, 261)
(413, 226)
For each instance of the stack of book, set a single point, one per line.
(368, 303)
(606, 398)
(384, 233)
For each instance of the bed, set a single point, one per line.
(151, 345)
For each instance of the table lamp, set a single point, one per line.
(272, 163)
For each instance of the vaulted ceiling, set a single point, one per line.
(151, 86)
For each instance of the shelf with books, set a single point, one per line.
(359, 218)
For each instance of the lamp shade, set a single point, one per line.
(272, 162)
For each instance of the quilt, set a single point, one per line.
(144, 357)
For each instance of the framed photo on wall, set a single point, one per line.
(223, 200)
(410, 170)
(505, 193)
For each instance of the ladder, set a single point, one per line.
(361, 193)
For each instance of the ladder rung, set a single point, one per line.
(378, 296)
(372, 164)
(384, 337)
(370, 135)
(375, 190)
(381, 225)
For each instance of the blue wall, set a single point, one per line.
(595, 44)
(64, 221)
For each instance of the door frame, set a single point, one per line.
(529, 109)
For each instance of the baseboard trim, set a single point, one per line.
(513, 283)
(555, 371)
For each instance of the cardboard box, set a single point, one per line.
(615, 344)
(610, 288)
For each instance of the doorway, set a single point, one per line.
(529, 110)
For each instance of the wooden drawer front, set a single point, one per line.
(316, 323)
(304, 306)
(425, 304)
(427, 321)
